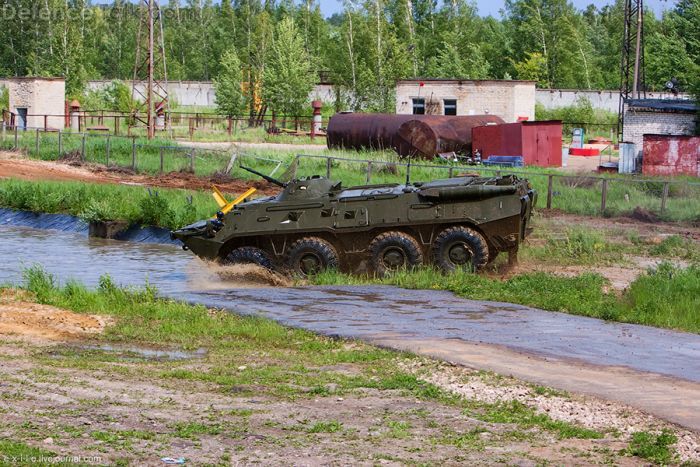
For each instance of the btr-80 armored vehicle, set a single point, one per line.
(314, 224)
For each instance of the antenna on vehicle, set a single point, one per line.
(408, 167)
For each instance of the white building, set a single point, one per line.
(38, 102)
(509, 99)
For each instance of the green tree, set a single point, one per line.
(289, 75)
(534, 68)
(467, 63)
(230, 98)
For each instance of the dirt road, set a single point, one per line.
(13, 166)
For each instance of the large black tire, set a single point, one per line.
(460, 247)
(249, 255)
(311, 255)
(392, 251)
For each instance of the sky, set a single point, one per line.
(493, 7)
(489, 7)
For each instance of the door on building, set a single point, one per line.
(543, 147)
(22, 118)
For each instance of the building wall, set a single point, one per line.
(640, 123)
(40, 96)
(203, 94)
(509, 100)
(671, 155)
(605, 100)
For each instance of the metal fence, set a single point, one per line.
(195, 126)
(671, 199)
(594, 195)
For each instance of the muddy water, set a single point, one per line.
(372, 313)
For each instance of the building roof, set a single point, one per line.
(15, 79)
(463, 80)
(663, 105)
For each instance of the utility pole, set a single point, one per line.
(150, 68)
(632, 76)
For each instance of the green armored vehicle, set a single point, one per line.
(315, 223)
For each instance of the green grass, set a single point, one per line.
(169, 208)
(664, 297)
(518, 413)
(573, 194)
(281, 362)
(18, 453)
(331, 426)
(654, 447)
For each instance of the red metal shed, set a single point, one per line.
(540, 143)
(671, 155)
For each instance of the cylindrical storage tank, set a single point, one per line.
(426, 135)
(415, 138)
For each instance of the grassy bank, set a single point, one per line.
(576, 194)
(252, 371)
(664, 297)
(162, 207)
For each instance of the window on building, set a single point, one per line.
(418, 106)
(450, 106)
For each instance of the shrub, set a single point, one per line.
(155, 210)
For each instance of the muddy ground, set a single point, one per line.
(13, 165)
(62, 394)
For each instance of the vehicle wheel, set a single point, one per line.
(249, 255)
(392, 251)
(460, 247)
(311, 255)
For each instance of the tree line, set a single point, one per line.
(279, 48)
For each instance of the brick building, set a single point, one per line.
(509, 99)
(657, 117)
(38, 102)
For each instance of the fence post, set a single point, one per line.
(369, 172)
(60, 142)
(36, 143)
(82, 148)
(451, 172)
(229, 126)
(664, 197)
(328, 167)
(133, 153)
(116, 124)
(604, 196)
(161, 159)
(550, 180)
(46, 122)
(16, 138)
(192, 156)
(108, 148)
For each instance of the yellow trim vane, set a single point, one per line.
(225, 206)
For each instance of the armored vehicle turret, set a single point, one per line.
(315, 224)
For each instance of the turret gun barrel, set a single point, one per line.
(267, 178)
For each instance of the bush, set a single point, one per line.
(155, 210)
(580, 115)
(116, 96)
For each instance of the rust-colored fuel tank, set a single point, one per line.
(408, 135)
